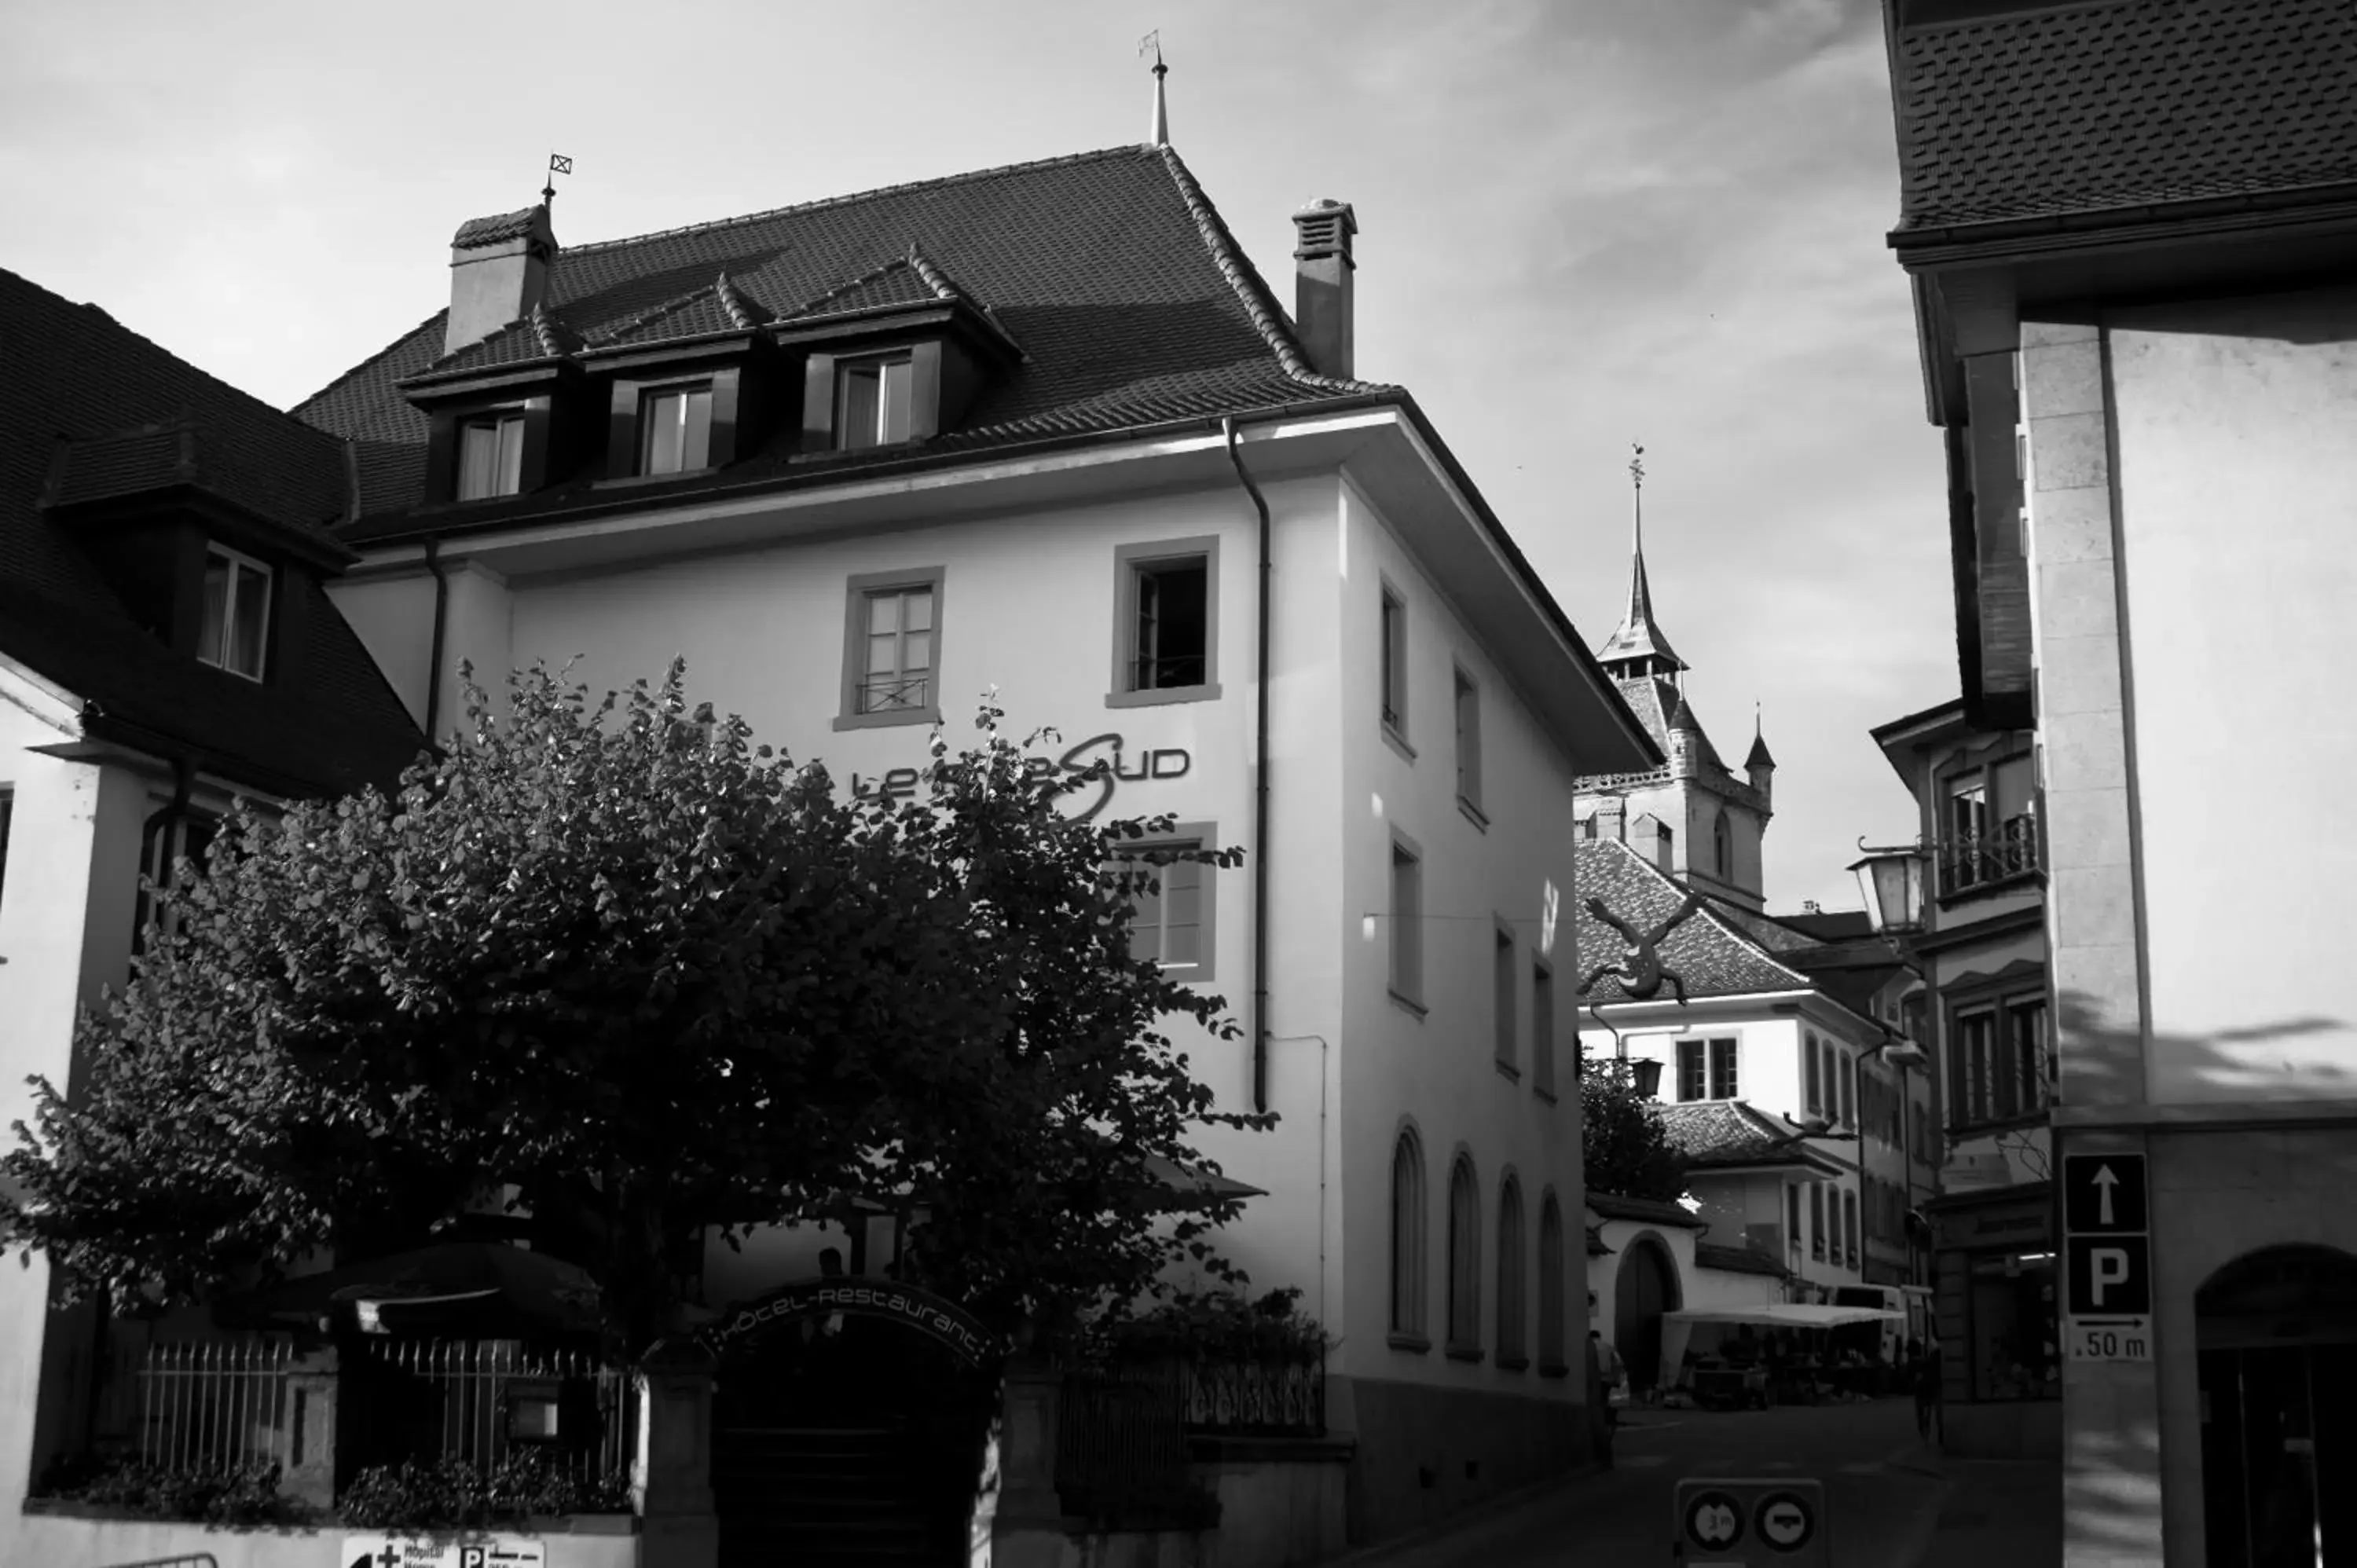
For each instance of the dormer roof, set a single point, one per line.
(1131, 301)
(93, 415)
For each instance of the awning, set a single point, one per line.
(454, 1286)
(1677, 1327)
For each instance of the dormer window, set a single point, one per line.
(490, 456)
(236, 626)
(874, 402)
(675, 429)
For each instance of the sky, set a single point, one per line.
(1583, 223)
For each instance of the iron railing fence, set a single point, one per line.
(1120, 1433)
(1271, 1399)
(207, 1404)
(1973, 860)
(480, 1399)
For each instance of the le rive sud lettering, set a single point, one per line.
(1105, 756)
(943, 1320)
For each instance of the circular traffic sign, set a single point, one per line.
(1784, 1520)
(1714, 1519)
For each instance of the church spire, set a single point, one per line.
(1157, 129)
(1637, 646)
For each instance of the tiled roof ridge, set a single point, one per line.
(824, 202)
(545, 330)
(365, 365)
(1252, 289)
(652, 314)
(734, 301)
(933, 276)
(1705, 911)
(814, 306)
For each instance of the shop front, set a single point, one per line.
(1997, 1293)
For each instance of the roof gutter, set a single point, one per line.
(1260, 782)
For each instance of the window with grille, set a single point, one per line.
(898, 673)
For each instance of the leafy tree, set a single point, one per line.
(651, 978)
(1625, 1149)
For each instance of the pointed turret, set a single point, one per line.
(1759, 766)
(1687, 747)
(1637, 646)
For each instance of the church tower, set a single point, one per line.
(1693, 817)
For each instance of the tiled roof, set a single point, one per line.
(1706, 950)
(1711, 1135)
(1644, 1210)
(2080, 109)
(1769, 930)
(1636, 636)
(106, 413)
(1132, 302)
(900, 281)
(1737, 1260)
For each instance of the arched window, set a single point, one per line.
(1407, 1236)
(1722, 848)
(1511, 1350)
(1464, 1256)
(1551, 1346)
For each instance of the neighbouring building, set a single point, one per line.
(1981, 1010)
(1777, 1074)
(1651, 1256)
(2131, 229)
(1043, 431)
(167, 647)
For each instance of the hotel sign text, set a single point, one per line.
(1104, 757)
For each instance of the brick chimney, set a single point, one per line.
(1323, 291)
(498, 271)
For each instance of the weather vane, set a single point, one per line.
(1152, 41)
(557, 163)
(1637, 465)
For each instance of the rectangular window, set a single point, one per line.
(1408, 917)
(1693, 1081)
(1541, 1028)
(1501, 995)
(1810, 1099)
(1170, 919)
(1847, 1075)
(873, 398)
(1817, 1220)
(1849, 1229)
(1468, 741)
(892, 648)
(167, 840)
(490, 456)
(1792, 1207)
(2027, 1057)
(1167, 620)
(1394, 662)
(236, 625)
(675, 430)
(1974, 1070)
(1722, 1069)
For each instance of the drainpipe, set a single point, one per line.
(1259, 786)
(441, 618)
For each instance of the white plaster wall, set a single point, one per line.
(1440, 1069)
(65, 929)
(1767, 1066)
(1604, 1274)
(394, 617)
(2237, 479)
(1027, 607)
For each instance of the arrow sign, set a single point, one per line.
(2104, 1194)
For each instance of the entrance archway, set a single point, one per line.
(1647, 1287)
(2277, 1334)
(850, 1416)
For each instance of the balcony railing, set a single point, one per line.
(1981, 860)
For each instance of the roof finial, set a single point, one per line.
(1157, 133)
(1637, 481)
(557, 164)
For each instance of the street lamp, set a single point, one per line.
(1644, 1076)
(1892, 882)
